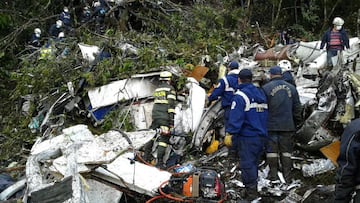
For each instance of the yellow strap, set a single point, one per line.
(170, 96)
(272, 155)
(163, 144)
(161, 101)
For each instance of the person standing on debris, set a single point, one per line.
(348, 172)
(55, 29)
(286, 69)
(163, 113)
(284, 115)
(247, 125)
(335, 39)
(226, 89)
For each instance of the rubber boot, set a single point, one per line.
(160, 157)
(251, 194)
(273, 164)
(286, 168)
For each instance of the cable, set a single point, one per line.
(169, 196)
(155, 198)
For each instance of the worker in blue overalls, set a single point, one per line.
(247, 125)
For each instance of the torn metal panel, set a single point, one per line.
(100, 192)
(59, 192)
(11, 190)
(141, 114)
(312, 134)
(89, 52)
(128, 48)
(318, 166)
(121, 90)
(306, 51)
(135, 176)
(214, 113)
(70, 153)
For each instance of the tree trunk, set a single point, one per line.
(277, 14)
(328, 14)
(295, 7)
(358, 23)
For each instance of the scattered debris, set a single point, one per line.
(94, 166)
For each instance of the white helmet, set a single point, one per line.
(96, 4)
(285, 65)
(338, 21)
(66, 9)
(59, 23)
(165, 75)
(37, 31)
(61, 35)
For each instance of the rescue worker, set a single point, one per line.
(284, 115)
(348, 172)
(99, 14)
(226, 89)
(335, 39)
(247, 125)
(55, 29)
(286, 69)
(285, 37)
(35, 38)
(163, 113)
(65, 17)
(86, 15)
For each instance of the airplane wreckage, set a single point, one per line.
(73, 165)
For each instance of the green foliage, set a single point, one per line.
(305, 35)
(310, 16)
(118, 118)
(5, 21)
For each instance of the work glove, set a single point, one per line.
(165, 130)
(227, 140)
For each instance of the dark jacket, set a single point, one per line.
(248, 114)
(164, 106)
(326, 39)
(288, 77)
(348, 173)
(54, 31)
(225, 89)
(35, 41)
(284, 105)
(65, 18)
